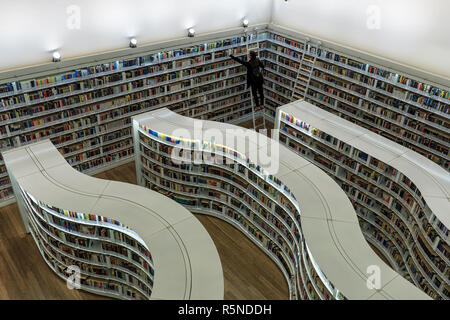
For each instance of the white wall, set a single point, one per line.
(412, 32)
(30, 30)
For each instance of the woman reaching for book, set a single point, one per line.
(255, 78)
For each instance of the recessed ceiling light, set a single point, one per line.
(56, 56)
(133, 43)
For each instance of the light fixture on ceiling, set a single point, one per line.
(245, 23)
(56, 56)
(191, 32)
(133, 43)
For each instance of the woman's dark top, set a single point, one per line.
(254, 74)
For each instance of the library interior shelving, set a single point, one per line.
(85, 105)
(117, 234)
(384, 153)
(299, 216)
(401, 198)
(389, 99)
(86, 110)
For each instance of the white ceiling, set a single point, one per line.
(413, 32)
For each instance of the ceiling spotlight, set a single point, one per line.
(133, 43)
(56, 56)
(191, 32)
(245, 23)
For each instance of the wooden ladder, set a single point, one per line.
(259, 125)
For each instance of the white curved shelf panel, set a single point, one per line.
(296, 213)
(109, 229)
(401, 197)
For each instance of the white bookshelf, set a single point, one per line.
(283, 49)
(416, 108)
(400, 197)
(287, 212)
(133, 81)
(129, 242)
(80, 103)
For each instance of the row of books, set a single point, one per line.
(90, 230)
(395, 188)
(120, 64)
(426, 101)
(393, 77)
(225, 175)
(220, 208)
(91, 96)
(407, 197)
(380, 123)
(66, 114)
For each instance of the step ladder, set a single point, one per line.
(303, 79)
(259, 125)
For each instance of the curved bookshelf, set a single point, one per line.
(400, 197)
(127, 242)
(85, 107)
(296, 214)
(408, 107)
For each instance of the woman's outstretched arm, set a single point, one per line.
(245, 63)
